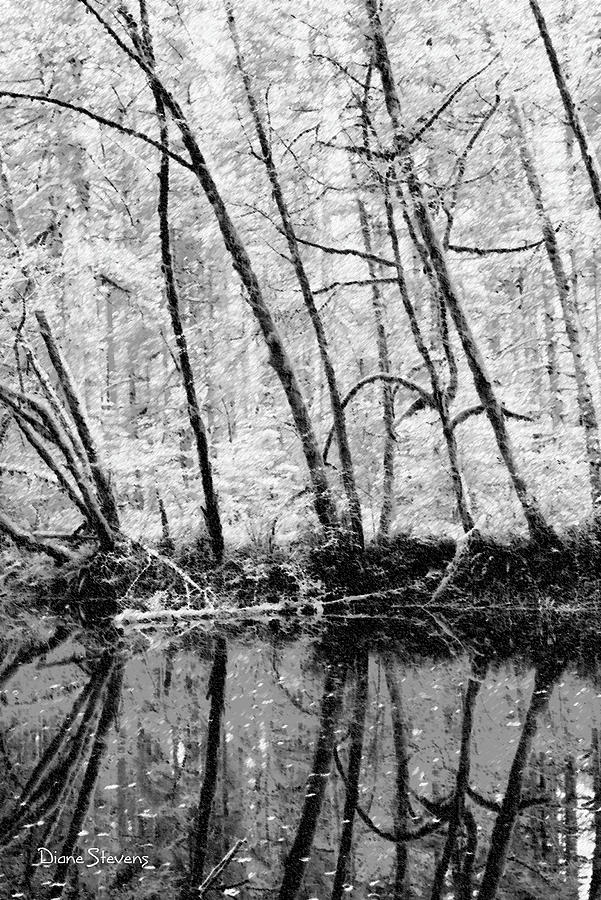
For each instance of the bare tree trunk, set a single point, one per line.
(111, 387)
(104, 490)
(586, 406)
(351, 799)
(23, 538)
(298, 857)
(440, 397)
(199, 841)
(387, 391)
(539, 528)
(348, 476)
(510, 807)
(28, 652)
(552, 364)
(278, 357)
(212, 515)
(589, 157)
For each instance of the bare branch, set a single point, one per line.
(96, 117)
(425, 396)
(24, 539)
(466, 414)
(218, 869)
(348, 251)
(450, 207)
(418, 133)
(490, 251)
(363, 282)
(413, 835)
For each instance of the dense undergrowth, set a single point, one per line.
(332, 577)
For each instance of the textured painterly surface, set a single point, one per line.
(422, 719)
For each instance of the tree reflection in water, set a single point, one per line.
(307, 767)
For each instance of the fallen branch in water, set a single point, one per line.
(218, 869)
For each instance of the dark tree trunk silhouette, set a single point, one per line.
(595, 885)
(211, 511)
(438, 393)
(53, 778)
(402, 814)
(27, 653)
(384, 365)
(544, 682)
(348, 475)
(570, 823)
(574, 118)
(457, 808)
(88, 784)
(353, 774)
(586, 406)
(278, 356)
(539, 528)
(199, 839)
(299, 854)
(106, 497)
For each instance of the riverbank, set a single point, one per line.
(330, 578)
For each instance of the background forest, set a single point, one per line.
(303, 262)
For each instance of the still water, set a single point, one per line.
(380, 761)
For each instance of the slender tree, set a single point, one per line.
(144, 44)
(278, 356)
(348, 475)
(573, 116)
(539, 528)
(586, 406)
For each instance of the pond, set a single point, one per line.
(372, 760)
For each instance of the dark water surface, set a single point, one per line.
(357, 762)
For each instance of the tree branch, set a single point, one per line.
(99, 119)
(490, 251)
(417, 134)
(363, 282)
(348, 251)
(425, 396)
(24, 539)
(413, 835)
(466, 414)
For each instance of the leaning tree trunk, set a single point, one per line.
(510, 807)
(552, 362)
(441, 400)
(348, 475)
(589, 156)
(212, 514)
(402, 805)
(104, 490)
(462, 781)
(98, 751)
(586, 406)
(595, 885)
(299, 854)
(278, 356)
(539, 528)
